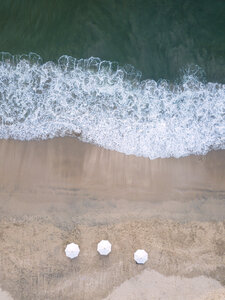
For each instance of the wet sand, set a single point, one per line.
(59, 191)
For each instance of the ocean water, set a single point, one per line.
(85, 80)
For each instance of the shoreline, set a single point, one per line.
(77, 179)
(59, 191)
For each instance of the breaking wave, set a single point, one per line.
(103, 103)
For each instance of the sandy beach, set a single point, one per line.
(59, 191)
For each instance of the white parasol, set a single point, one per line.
(104, 247)
(72, 250)
(140, 256)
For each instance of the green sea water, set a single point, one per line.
(157, 37)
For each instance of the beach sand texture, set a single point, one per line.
(59, 191)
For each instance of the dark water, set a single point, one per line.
(102, 102)
(158, 37)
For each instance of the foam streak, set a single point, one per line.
(109, 106)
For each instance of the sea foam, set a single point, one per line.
(103, 103)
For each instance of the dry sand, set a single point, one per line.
(59, 191)
(153, 285)
(5, 296)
